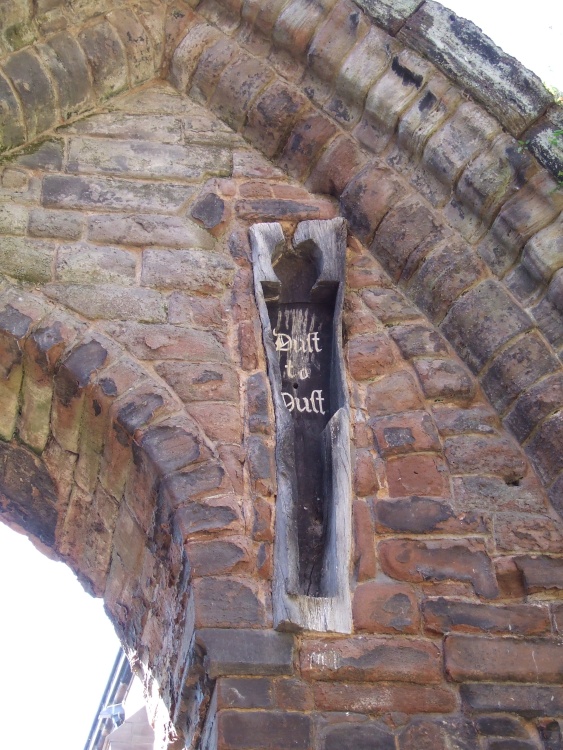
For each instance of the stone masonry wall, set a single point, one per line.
(459, 214)
(136, 425)
(137, 406)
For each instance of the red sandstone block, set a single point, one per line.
(141, 491)
(242, 299)
(504, 659)
(72, 377)
(423, 735)
(408, 432)
(230, 603)
(307, 139)
(546, 448)
(533, 207)
(233, 457)
(417, 340)
(476, 454)
(390, 306)
(467, 133)
(540, 573)
(423, 515)
(445, 380)
(371, 659)
(417, 474)
(381, 699)
(360, 69)
(443, 276)
(263, 523)
(444, 616)
(201, 312)
(557, 614)
(298, 22)
(219, 421)
(393, 394)
(272, 116)
(179, 22)
(140, 407)
(213, 60)
(225, 15)
(262, 730)
(481, 321)
(389, 96)
(366, 479)
(556, 494)
(364, 545)
(459, 560)
(211, 514)
(245, 692)
(95, 424)
(363, 436)
(368, 197)
(248, 346)
(42, 351)
(261, 15)
(261, 464)
(429, 110)
(259, 416)
(488, 182)
(116, 459)
(364, 271)
(150, 342)
(517, 368)
(528, 533)
(200, 382)
(402, 230)
(220, 556)
(534, 405)
(509, 577)
(129, 544)
(454, 420)
(358, 319)
(284, 210)
(345, 26)
(237, 87)
(350, 731)
(529, 701)
(337, 166)
(184, 487)
(385, 608)
(370, 356)
(293, 695)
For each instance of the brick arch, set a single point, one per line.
(448, 557)
(103, 469)
(440, 190)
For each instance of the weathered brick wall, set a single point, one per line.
(136, 420)
(60, 59)
(459, 214)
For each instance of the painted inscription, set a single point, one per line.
(303, 340)
(307, 345)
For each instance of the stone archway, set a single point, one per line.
(133, 361)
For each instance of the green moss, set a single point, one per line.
(20, 35)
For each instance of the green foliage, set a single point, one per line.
(556, 93)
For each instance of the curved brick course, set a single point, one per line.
(133, 392)
(69, 64)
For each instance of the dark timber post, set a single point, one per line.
(299, 291)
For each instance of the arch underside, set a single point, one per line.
(136, 408)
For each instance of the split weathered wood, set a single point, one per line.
(302, 283)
